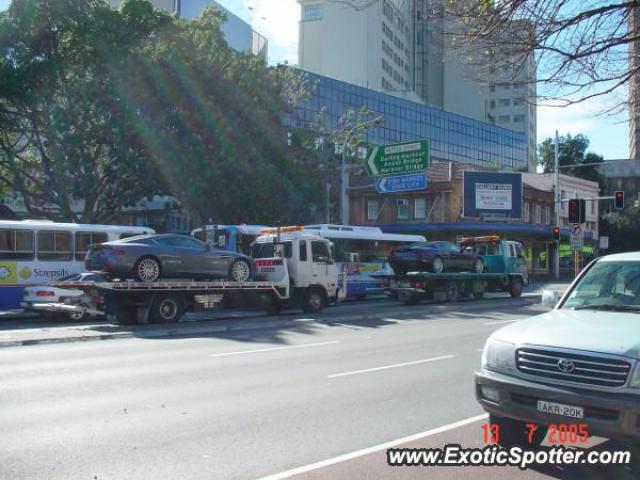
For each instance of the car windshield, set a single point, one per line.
(608, 286)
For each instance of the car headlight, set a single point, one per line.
(635, 377)
(499, 356)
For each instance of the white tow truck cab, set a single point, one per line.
(293, 268)
(313, 275)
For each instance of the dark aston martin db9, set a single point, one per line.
(436, 257)
(148, 257)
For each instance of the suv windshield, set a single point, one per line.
(608, 285)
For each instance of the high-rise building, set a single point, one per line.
(369, 46)
(238, 34)
(404, 46)
(512, 90)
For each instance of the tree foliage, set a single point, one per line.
(572, 151)
(623, 230)
(583, 49)
(107, 106)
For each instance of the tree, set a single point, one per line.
(571, 151)
(623, 230)
(582, 49)
(64, 142)
(103, 107)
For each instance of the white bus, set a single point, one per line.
(33, 252)
(236, 238)
(362, 252)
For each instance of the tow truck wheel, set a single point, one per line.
(313, 301)
(437, 265)
(166, 308)
(409, 298)
(514, 433)
(515, 287)
(478, 265)
(452, 293)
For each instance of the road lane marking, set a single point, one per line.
(374, 449)
(272, 349)
(386, 367)
(498, 322)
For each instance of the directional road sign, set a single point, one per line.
(401, 183)
(577, 240)
(398, 159)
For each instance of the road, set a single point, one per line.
(250, 404)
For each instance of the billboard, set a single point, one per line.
(492, 193)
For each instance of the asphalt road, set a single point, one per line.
(244, 405)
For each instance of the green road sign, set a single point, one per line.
(398, 158)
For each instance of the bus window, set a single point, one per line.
(84, 239)
(131, 234)
(243, 243)
(16, 244)
(54, 245)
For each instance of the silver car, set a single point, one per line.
(148, 257)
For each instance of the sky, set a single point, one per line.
(278, 21)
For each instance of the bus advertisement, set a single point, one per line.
(362, 252)
(33, 252)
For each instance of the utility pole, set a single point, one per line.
(328, 203)
(557, 206)
(344, 201)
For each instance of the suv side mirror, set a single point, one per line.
(550, 298)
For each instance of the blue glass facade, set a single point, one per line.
(453, 137)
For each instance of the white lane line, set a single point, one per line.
(499, 322)
(374, 449)
(386, 367)
(273, 349)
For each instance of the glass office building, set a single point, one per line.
(453, 138)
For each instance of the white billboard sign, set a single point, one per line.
(494, 196)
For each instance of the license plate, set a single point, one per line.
(560, 409)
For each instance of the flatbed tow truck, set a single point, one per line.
(505, 269)
(292, 269)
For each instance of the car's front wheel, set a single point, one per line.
(240, 270)
(147, 269)
(437, 265)
(515, 433)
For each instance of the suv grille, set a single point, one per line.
(571, 367)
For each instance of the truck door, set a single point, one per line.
(321, 262)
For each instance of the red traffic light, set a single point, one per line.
(618, 200)
(556, 233)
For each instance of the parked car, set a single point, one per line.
(148, 257)
(436, 257)
(578, 364)
(49, 294)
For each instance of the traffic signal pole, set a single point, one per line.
(558, 205)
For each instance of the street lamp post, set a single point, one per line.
(344, 203)
(558, 205)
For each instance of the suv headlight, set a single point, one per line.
(499, 356)
(635, 377)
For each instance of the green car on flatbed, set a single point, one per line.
(505, 269)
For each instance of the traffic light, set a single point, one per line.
(618, 200)
(577, 210)
(556, 234)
